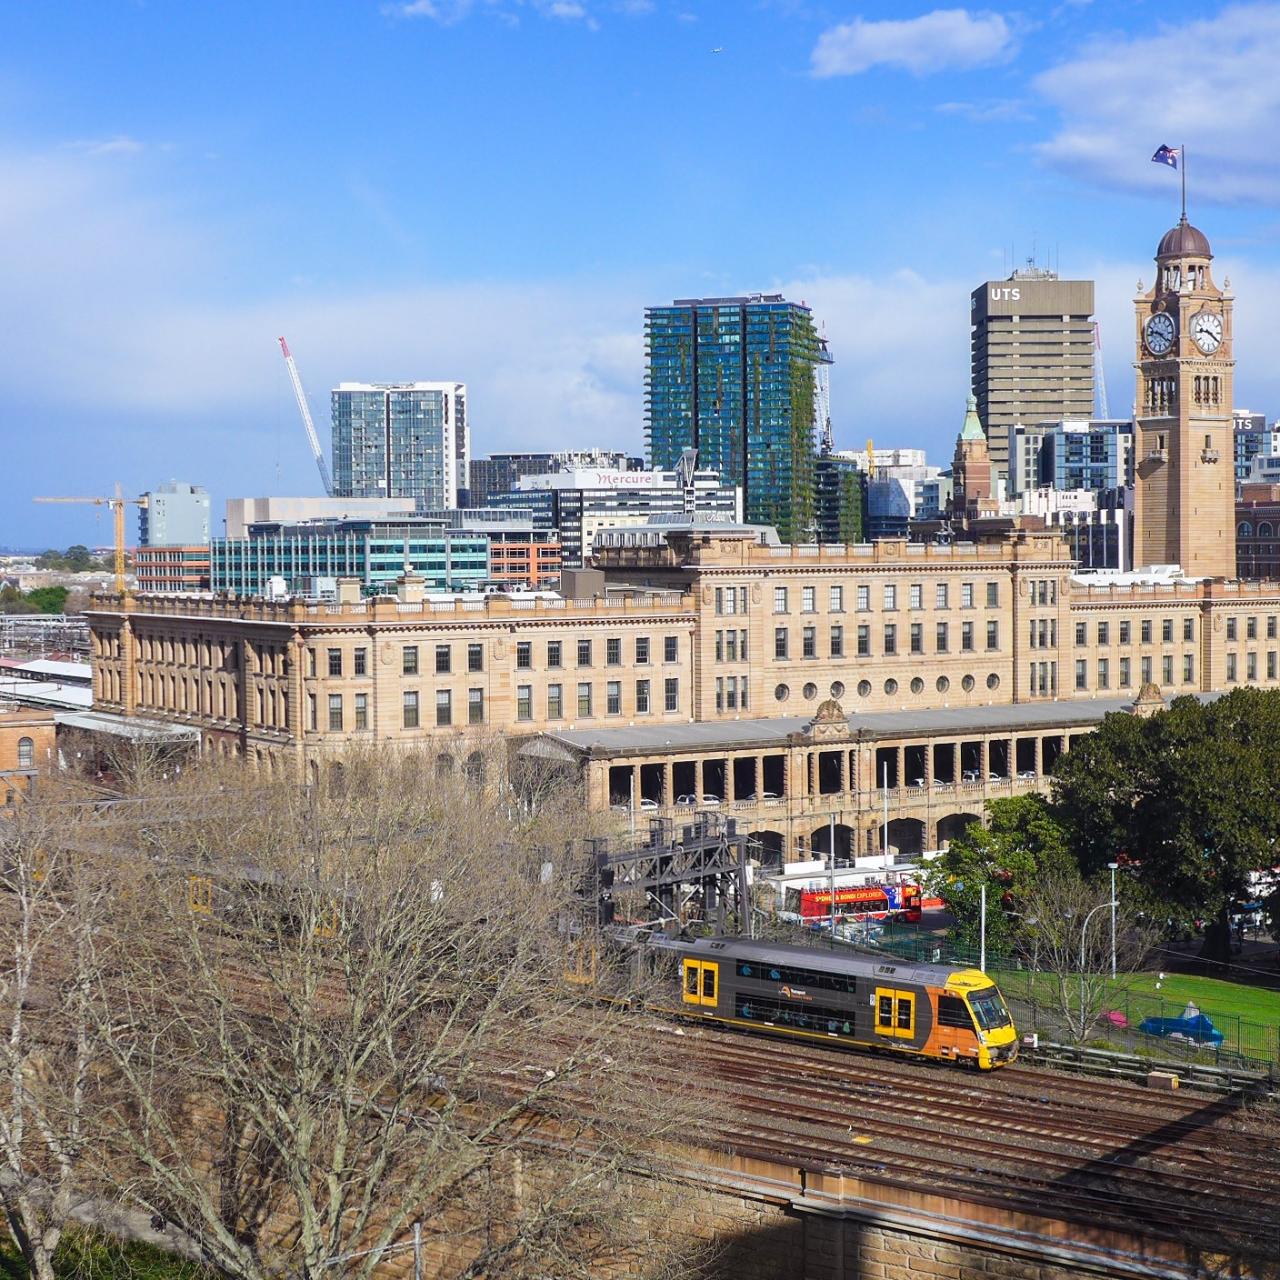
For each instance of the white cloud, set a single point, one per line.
(945, 38)
(997, 111)
(1210, 83)
(120, 145)
(447, 12)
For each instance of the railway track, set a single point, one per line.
(1108, 1155)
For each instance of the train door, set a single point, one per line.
(895, 1013)
(701, 982)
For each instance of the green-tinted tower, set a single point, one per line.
(735, 378)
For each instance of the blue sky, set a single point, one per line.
(492, 190)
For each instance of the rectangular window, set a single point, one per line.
(444, 707)
(1251, 628)
(409, 660)
(362, 710)
(1145, 631)
(1271, 626)
(311, 662)
(555, 654)
(444, 659)
(890, 596)
(1231, 628)
(890, 640)
(1189, 667)
(642, 651)
(808, 599)
(864, 641)
(809, 639)
(1124, 633)
(1124, 673)
(613, 652)
(916, 637)
(780, 642)
(335, 713)
(524, 655)
(1166, 630)
(915, 596)
(966, 637)
(524, 701)
(1231, 667)
(835, 599)
(642, 697)
(1104, 633)
(1082, 674)
(475, 657)
(1144, 668)
(940, 593)
(966, 595)
(780, 600)
(613, 698)
(671, 649)
(993, 595)
(1104, 673)
(1189, 628)
(940, 637)
(719, 600)
(409, 704)
(555, 701)
(361, 660)
(993, 635)
(584, 653)
(584, 699)
(864, 599)
(475, 706)
(335, 662)
(1166, 669)
(1081, 638)
(671, 693)
(837, 642)
(1250, 666)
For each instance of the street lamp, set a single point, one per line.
(1112, 866)
(1083, 929)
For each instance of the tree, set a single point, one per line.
(1021, 841)
(1189, 795)
(343, 1011)
(47, 599)
(56, 896)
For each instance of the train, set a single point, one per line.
(942, 1012)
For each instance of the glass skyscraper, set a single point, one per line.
(736, 379)
(401, 440)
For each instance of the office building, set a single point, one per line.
(180, 568)
(242, 512)
(1253, 439)
(521, 553)
(1072, 454)
(903, 486)
(499, 472)
(1032, 353)
(175, 515)
(401, 440)
(309, 558)
(579, 502)
(840, 499)
(737, 380)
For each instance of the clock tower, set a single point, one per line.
(1185, 474)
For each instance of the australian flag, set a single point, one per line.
(1167, 155)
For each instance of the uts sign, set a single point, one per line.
(1005, 293)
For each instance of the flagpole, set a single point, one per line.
(1184, 182)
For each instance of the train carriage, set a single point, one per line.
(935, 1011)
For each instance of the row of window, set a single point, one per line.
(586, 699)
(1146, 630)
(585, 650)
(942, 597)
(943, 683)
(1102, 671)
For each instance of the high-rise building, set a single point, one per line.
(1032, 353)
(1253, 439)
(1185, 484)
(1086, 454)
(737, 380)
(401, 440)
(499, 472)
(175, 515)
(840, 499)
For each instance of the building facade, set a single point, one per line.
(172, 568)
(1032, 352)
(26, 746)
(401, 440)
(1185, 477)
(242, 512)
(840, 499)
(1253, 439)
(175, 515)
(737, 380)
(499, 472)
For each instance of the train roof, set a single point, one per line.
(784, 953)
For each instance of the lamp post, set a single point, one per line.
(982, 927)
(1083, 930)
(1112, 867)
(831, 854)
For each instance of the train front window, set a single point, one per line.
(989, 1009)
(953, 1013)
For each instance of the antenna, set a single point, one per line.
(1100, 373)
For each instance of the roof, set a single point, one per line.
(1183, 241)
(127, 726)
(972, 429)
(773, 730)
(79, 672)
(46, 693)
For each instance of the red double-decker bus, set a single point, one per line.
(856, 902)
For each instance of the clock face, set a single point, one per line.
(1159, 333)
(1206, 329)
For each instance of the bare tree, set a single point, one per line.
(343, 1011)
(56, 894)
(1065, 925)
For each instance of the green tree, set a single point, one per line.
(78, 558)
(47, 599)
(1190, 795)
(1021, 842)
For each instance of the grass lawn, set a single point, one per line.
(84, 1253)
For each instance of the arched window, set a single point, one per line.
(1244, 529)
(1264, 529)
(26, 753)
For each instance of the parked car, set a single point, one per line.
(916, 782)
(711, 801)
(971, 775)
(646, 803)
(689, 799)
(1027, 775)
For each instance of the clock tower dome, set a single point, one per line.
(1185, 475)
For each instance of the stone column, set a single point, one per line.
(729, 793)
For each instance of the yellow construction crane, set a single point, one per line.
(117, 505)
(871, 459)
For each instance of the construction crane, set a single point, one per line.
(822, 400)
(117, 506)
(871, 459)
(1099, 372)
(306, 419)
